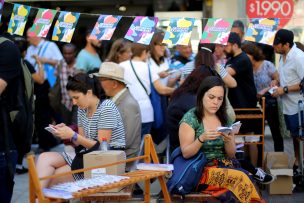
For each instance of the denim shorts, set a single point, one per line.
(292, 124)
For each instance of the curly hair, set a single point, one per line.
(251, 49)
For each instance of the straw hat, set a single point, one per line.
(111, 70)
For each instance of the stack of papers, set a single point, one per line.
(65, 190)
(154, 167)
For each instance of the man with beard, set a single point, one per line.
(88, 58)
(291, 72)
(244, 95)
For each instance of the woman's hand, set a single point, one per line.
(227, 137)
(63, 131)
(209, 135)
(163, 74)
(38, 59)
(274, 83)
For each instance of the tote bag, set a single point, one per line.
(157, 106)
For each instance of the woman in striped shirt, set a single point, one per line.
(96, 120)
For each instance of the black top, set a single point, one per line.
(10, 72)
(244, 95)
(178, 106)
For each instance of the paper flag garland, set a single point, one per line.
(65, 26)
(42, 22)
(217, 31)
(18, 19)
(142, 29)
(179, 31)
(105, 27)
(262, 30)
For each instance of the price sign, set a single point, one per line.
(282, 9)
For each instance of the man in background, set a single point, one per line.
(49, 55)
(291, 72)
(244, 95)
(67, 68)
(88, 58)
(10, 76)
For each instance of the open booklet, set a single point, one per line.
(234, 128)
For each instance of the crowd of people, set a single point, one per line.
(109, 99)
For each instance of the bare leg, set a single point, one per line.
(296, 149)
(253, 153)
(62, 179)
(47, 164)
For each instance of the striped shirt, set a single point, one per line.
(106, 116)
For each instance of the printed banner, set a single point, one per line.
(105, 27)
(18, 19)
(65, 26)
(1, 8)
(42, 22)
(142, 30)
(217, 31)
(179, 31)
(262, 30)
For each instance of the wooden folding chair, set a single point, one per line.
(35, 190)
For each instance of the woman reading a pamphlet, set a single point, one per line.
(97, 120)
(198, 132)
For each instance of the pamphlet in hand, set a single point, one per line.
(273, 89)
(51, 129)
(234, 128)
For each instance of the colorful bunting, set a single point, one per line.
(179, 31)
(262, 30)
(105, 27)
(42, 22)
(18, 19)
(217, 31)
(65, 26)
(142, 29)
(1, 8)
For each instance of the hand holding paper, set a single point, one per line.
(234, 128)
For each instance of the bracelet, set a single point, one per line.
(198, 138)
(74, 137)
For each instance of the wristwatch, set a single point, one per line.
(285, 89)
(75, 137)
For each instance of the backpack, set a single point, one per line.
(187, 172)
(22, 117)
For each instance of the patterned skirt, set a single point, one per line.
(226, 176)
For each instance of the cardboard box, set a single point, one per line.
(98, 158)
(280, 165)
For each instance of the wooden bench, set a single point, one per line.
(35, 190)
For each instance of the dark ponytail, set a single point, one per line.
(82, 82)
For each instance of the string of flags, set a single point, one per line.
(142, 29)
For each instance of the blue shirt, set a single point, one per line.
(86, 61)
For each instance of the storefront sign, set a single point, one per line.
(282, 9)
